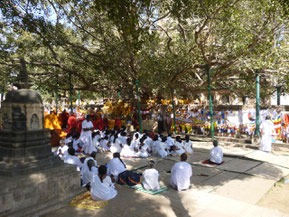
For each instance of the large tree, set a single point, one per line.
(107, 45)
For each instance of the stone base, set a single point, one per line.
(39, 192)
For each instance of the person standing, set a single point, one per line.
(266, 128)
(86, 135)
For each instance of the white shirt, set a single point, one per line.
(216, 155)
(69, 159)
(267, 127)
(115, 167)
(188, 147)
(181, 173)
(87, 174)
(62, 150)
(101, 191)
(151, 179)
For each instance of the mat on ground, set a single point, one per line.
(139, 187)
(85, 201)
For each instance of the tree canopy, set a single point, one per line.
(107, 45)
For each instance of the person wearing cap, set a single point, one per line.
(86, 135)
(181, 174)
(151, 177)
(266, 128)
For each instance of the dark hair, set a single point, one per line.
(93, 134)
(71, 151)
(178, 138)
(215, 143)
(136, 135)
(184, 157)
(93, 154)
(115, 137)
(187, 138)
(90, 164)
(102, 170)
(164, 139)
(117, 155)
(156, 138)
(128, 141)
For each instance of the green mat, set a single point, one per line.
(139, 187)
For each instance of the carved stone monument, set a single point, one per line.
(33, 181)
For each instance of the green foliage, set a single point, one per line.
(106, 45)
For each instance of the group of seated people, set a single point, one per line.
(139, 145)
(100, 180)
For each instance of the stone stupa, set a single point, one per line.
(33, 181)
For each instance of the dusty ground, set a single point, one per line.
(277, 197)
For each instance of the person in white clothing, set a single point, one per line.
(86, 135)
(162, 148)
(116, 145)
(188, 145)
(102, 186)
(266, 128)
(151, 177)
(216, 154)
(62, 149)
(170, 141)
(181, 174)
(88, 171)
(105, 144)
(179, 146)
(116, 166)
(127, 150)
(72, 159)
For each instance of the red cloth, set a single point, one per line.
(117, 124)
(210, 162)
(98, 123)
(71, 123)
(105, 122)
(79, 125)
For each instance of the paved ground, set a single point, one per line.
(232, 189)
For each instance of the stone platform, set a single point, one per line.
(39, 192)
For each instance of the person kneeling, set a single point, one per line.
(102, 186)
(181, 173)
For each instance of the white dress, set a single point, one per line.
(151, 179)
(69, 159)
(181, 173)
(266, 139)
(104, 145)
(63, 151)
(127, 151)
(102, 191)
(161, 149)
(115, 167)
(86, 137)
(179, 148)
(216, 155)
(87, 174)
(188, 147)
(115, 147)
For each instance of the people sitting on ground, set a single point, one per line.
(162, 147)
(115, 145)
(89, 169)
(116, 166)
(181, 173)
(127, 150)
(179, 146)
(76, 143)
(62, 149)
(216, 154)
(102, 186)
(96, 140)
(188, 145)
(105, 144)
(72, 159)
(143, 150)
(151, 177)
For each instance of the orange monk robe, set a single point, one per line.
(51, 122)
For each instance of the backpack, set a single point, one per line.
(129, 178)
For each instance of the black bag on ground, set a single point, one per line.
(129, 178)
